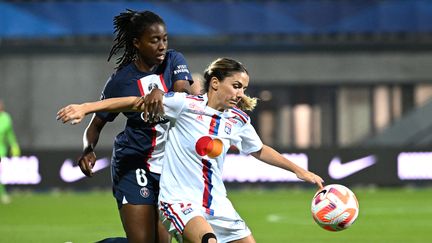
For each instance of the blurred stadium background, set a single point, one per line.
(345, 89)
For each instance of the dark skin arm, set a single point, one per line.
(91, 135)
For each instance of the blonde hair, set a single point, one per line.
(247, 103)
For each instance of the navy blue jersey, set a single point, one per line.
(142, 143)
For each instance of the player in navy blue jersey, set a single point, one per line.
(147, 68)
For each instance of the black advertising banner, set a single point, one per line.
(44, 170)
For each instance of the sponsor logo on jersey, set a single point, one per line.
(208, 146)
(200, 118)
(187, 211)
(145, 192)
(181, 69)
(232, 120)
(195, 108)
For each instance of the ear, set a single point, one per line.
(136, 43)
(214, 83)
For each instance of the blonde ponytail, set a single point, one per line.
(247, 103)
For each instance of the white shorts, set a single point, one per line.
(228, 227)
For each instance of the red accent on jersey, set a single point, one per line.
(140, 87)
(151, 150)
(163, 83)
(239, 115)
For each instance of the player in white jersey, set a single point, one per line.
(193, 201)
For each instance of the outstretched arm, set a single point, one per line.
(272, 157)
(76, 112)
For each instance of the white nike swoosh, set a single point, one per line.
(71, 173)
(337, 170)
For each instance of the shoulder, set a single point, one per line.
(174, 56)
(239, 115)
(194, 98)
(121, 74)
(184, 96)
(173, 53)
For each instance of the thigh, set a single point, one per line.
(139, 222)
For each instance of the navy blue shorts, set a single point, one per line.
(137, 187)
(133, 183)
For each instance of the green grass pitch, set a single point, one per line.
(280, 215)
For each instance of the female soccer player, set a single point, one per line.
(192, 201)
(145, 68)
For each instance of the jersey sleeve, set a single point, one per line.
(181, 69)
(249, 140)
(174, 103)
(108, 92)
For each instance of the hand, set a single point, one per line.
(310, 177)
(151, 105)
(74, 113)
(86, 162)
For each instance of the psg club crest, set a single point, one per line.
(148, 83)
(145, 193)
(152, 86)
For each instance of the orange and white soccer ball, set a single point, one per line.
(335, 207)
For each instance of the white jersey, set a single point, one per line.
(198, 141)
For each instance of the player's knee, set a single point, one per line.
(207, 237)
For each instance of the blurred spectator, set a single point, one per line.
(8, 145)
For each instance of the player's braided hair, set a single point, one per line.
(226, 67)
(128, 26)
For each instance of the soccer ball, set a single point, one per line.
(335, 207)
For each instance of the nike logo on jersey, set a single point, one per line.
(71, 173)
(337, 170)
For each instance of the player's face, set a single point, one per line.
(231, 90)
(152, 45)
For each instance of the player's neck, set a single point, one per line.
(215, 105)
(142, 66)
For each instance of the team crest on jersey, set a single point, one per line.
(148, 83)
(228, 127)
(145, 192)
(152, 86)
